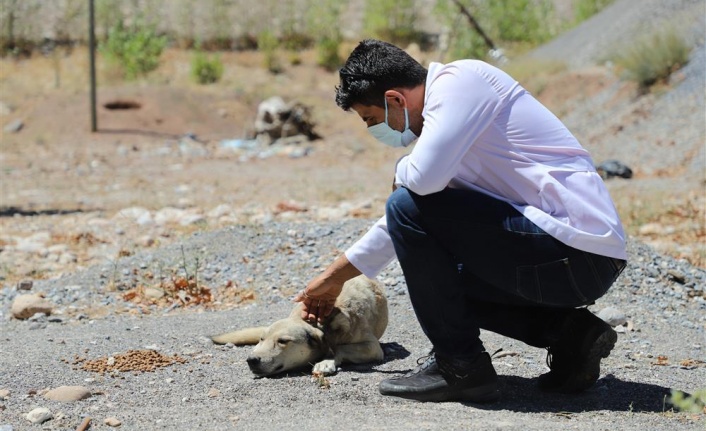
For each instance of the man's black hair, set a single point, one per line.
(372, 68)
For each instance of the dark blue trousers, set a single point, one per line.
(473, 262)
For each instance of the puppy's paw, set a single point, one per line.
(326, 367)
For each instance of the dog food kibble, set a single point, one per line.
(132, 360)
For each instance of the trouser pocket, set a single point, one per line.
(574, 281)
(605, 271)
(551, 283)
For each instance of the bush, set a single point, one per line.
(519, 20)
(205, 69)
(517, 23)
(653, 58)
(296, 41)
(694, 403)
(267, 43)
(584, 9)
(392, 20)
(327, 53)
(136, 50)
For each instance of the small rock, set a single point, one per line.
(26, 306)
(168, 215)
(25, 285)
(112, 422)
(14, 126)
(4, 394)
(39, 415)
(214, 393)
(191, 219)
(5, 109)
(677, 276)
(612, 316)
(220, 211)
(651, 229)
(38, 317)
(68, 393)
(154, 292)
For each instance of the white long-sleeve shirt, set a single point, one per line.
(483, 131)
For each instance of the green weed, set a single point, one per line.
(584, 9)
(135, 50)
(206, 69)
(653, 58)
(691, 403)
(267, 43)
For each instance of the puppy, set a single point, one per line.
(350, 334)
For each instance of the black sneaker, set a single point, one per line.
(575, 357)
(440, 379)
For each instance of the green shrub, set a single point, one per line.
(327, 53)
(205, 69)
(515, 23)
(653, 58)
(136, 50)
(267, 43)
(584, 9)
(392, 20)
(296, 41)
(519, 20)
(694, 403)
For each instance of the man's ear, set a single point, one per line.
(394, 97)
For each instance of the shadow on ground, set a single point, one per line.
(521, 394)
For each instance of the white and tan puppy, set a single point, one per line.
(351, 333)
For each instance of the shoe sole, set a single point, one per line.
(591, 367)
(600, 349)
(480, 394)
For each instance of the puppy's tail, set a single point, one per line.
(242, 337)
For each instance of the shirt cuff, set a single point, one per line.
(373, 251)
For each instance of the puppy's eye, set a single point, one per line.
(283, 341)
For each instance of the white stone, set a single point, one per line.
(154, 292)
(189, 219)
(612, 316)
(26, 306)
(4, 394)
(220, 211)
(131, 213)
(39, 415)
(68, 393)
(14, 126)
(112, 422)
(168, 215)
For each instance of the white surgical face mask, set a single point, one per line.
(389, 136)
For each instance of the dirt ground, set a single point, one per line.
(54, 169)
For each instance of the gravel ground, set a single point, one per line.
(661, 346)
(620, 23)
(253, 268)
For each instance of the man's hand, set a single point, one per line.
(319, 296)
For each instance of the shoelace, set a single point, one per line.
(428, 360)
(423, 363)
(549, 357)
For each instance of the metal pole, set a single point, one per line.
(92, 55)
